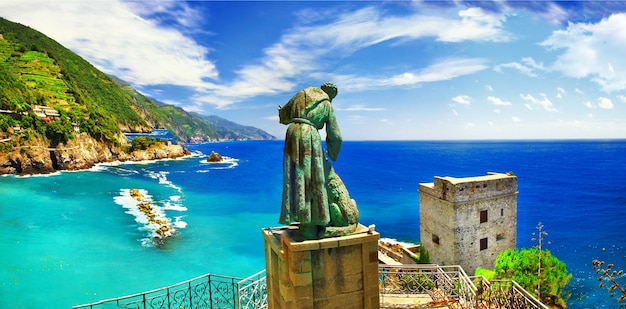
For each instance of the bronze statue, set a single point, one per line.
(314, 197)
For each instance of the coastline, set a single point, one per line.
(81, 153)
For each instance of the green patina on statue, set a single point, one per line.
(314, 197)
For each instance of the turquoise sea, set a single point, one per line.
(75, 237)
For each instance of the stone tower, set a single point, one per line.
(468, 221)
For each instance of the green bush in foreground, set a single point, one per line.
(537, 271)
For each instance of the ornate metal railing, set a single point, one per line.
(208, 291)
(252, 292)
(447, 284)
(444, 285)
(504, 294)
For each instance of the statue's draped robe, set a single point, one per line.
(304, 189)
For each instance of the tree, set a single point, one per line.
(536, 270)
(606, 274)
(540, 234)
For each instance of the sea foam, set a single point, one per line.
(151, 226)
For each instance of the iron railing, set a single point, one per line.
(444, 285)
(252, 292)
(447, 284)
(504, 294)
(208, 291)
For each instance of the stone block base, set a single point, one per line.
(336, 272)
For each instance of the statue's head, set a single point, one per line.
(330, 89)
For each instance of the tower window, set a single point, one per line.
(483, 216)
(435, 239)
(500, 236)
(501, 212)
(483, 244)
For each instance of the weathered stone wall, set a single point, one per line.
(336, 272)
(451, 208)
(436, 221)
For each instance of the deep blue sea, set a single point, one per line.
(75, 237)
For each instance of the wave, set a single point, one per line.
(150, 216)
(226, 163)
(57, 173)
(395, 241)
(161, 176)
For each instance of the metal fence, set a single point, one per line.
(504, 294)
(450, 286)
(447, 284)
(208, 291)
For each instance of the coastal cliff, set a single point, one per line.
(81, 152)
(59, 112)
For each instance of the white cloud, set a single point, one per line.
(605, 103)
(443, 70)
(528, 107)
(148, 45)
(542, 101)
(560, 92)
(454, 112)
(516, 119)
(115, 37)
(497, 110)
(489, 88)
(359, 108)
(622, 98)
(301, 50)
(555, 14)
(588, 104)
(528, 66)
(387, 122)
(592, 50)
(498, 101)
(462, 99)
(578, 91)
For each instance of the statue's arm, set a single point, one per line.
(333, 135)
(284, 112)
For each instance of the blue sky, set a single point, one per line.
(422, 70)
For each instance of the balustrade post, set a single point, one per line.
(190, 295)
(233, 285)
(210, 293)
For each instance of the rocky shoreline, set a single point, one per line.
(79, 153)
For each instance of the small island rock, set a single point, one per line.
(215, 157)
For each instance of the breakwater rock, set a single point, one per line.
(159, 223)
(82, 152)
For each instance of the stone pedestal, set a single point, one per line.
(337, 272)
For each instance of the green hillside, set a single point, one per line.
(184, 126)
(234, 131)
(37, 75)
(36, 70)
(189, 126)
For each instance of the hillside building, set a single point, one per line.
(45, 113)
(468, 221)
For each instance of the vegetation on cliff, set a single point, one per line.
(46, 73)
(49, 96)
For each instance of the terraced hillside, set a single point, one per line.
(57, 111)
